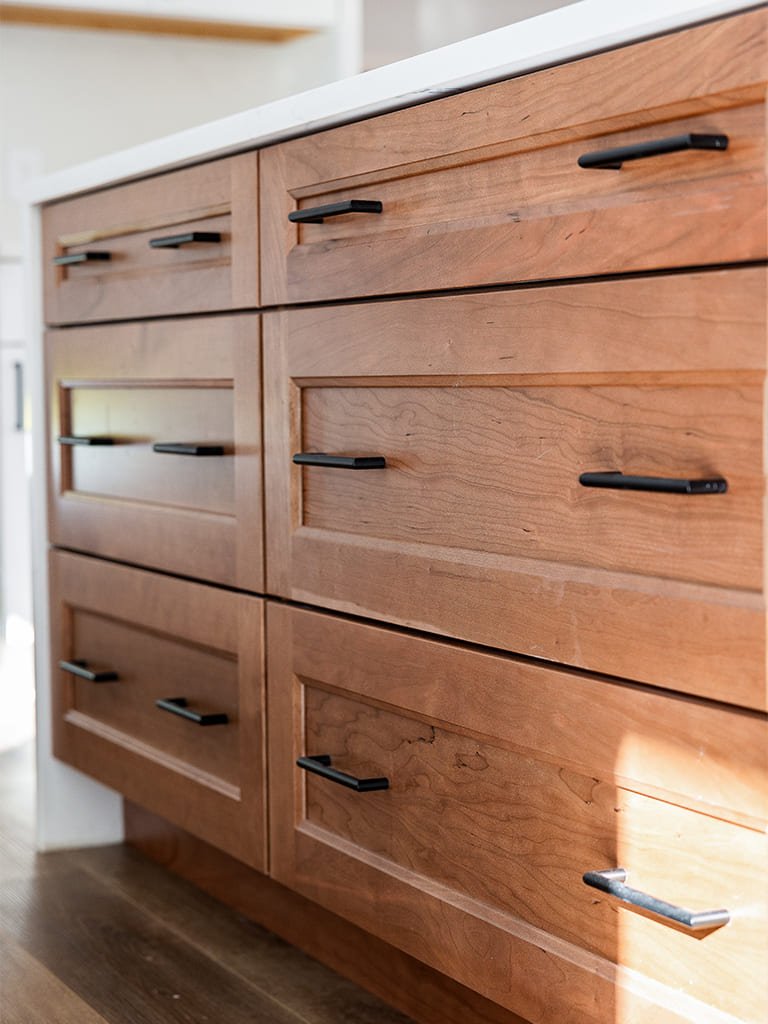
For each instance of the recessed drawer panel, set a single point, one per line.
(477, 791)
(594, 167)
(155, 445)
(184, 242)
(157, 693)
(572, 473)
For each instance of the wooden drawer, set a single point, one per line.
(163, 638)
(194, 383)
(506, 783)
(486, 187)
(184, 242)
(487, 410)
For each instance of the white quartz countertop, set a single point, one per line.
(568, 33)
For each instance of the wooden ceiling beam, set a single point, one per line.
(56, 17)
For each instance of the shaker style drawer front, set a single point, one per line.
(157, 691)
(519, 182)
(155, 445)
(588, 503)
(467, 788)
(183, 242)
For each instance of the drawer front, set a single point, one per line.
(498, 801)
(184, 242)
(479, 525)
(487, 187)
(155, 445)
(196, 758)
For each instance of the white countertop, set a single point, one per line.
(549, 39)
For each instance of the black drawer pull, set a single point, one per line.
(75, 440)
(321, 765)
(81, 257)
(666, 485)
(612, 882)
(340, 461)
(80, 669)
(178, 706)
(171, 448)
(175, 241)
(317, 214)
(612, 159)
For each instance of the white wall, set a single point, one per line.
(68, 95)
(396, 29)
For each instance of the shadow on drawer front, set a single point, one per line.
(505, 785)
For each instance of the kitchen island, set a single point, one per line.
(403, 448)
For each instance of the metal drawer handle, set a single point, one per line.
(321, 765)
(340, 461)
(80, 669)
(81, 257)
(178, 706)
(74, 440)
(612, 882)
(612, 159)
(18, 394)
(172, 448)
(175, 241)
(317, 214)
(617, 481)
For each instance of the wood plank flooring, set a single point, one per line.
(103, 936)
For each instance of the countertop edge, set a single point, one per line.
(547, 40)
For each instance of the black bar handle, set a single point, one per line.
(176, 241)
(340, 461)
(81, 257)
(612, 882)
(178, 706)
(317, 214)
(617, 481)
(74, 440)
(612, 159)
(172, 448)
(80, 669)
(321, 765)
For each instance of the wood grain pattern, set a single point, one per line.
(154, 668)
(478, 527)
(266, 973)
(136, 418)
(495, 469)
(179, 381)
(685, 751)
(139, 280)
(426, 995)
(458, 891)
(33, 995)
(484, 187)
(70, 921)
(519, 827)
(521, 834)
(316, 994)
(157, 632)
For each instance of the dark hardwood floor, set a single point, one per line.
(103, 936)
